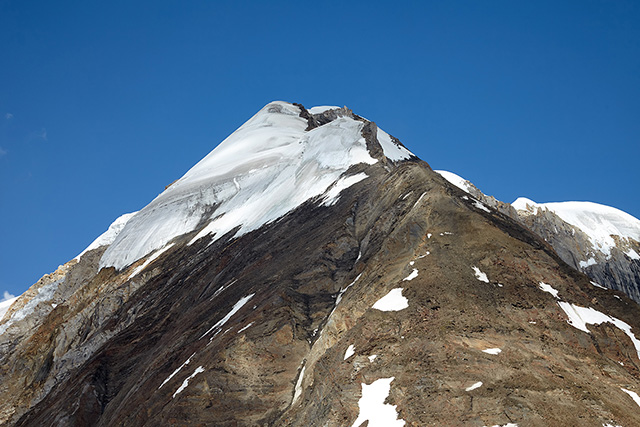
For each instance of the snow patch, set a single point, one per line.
(333, 195)
(351, 350)
(632, 254)
(372, 357)
(392, 150)
(456, 180)
(633, 395)
(580, 317)
(393, 301)
(597, 285)
(474, 386)
(479, 205)
(480, 275)
(152, 258)
(322, 108)
(373, 408)
(45, 293)
(494, 351)
(587, 263)
(411, 275)
(548, 288)
(6, 302)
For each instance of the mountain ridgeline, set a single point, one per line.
(311, 271)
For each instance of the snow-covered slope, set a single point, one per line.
(268, 167)
(599, 222)
(456, 180)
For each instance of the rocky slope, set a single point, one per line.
(351, 291)
(601, 241)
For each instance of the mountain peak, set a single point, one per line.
(280, 158)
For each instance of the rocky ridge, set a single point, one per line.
(397, 285)
(614, 264)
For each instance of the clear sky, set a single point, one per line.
(102, 104)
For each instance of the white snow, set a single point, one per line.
(245, 327)
(418, 201)
(237, 306)
(266, 168)
(632, 254)
(373, 408)
(548, 288)
(598, 222)
(456, 180)
(597, 285)
(479, 205)
(411, 275)
(393, 301)
(390, 149)
(342, 291)
(372, 357)
(298, 390)
(580, 317)
(633, 395)
(150, 260)
(333, 195)
(185, 383)
(480, 275)
(587, 263)
(322, 108)
(110, 235)
(176, 371)
(474, 386)
(351, 350)
(493, 351)
(5, 304)
(45, 293)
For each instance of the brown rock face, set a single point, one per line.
(278, 327)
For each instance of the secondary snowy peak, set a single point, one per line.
(280, 158)
(599, 222)
(456, 180)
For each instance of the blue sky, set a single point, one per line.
(102, 104)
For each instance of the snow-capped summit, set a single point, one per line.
(269, 166)
(601, 223)
(360, 267)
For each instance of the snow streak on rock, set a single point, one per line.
(185, 383)
(233, 311)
